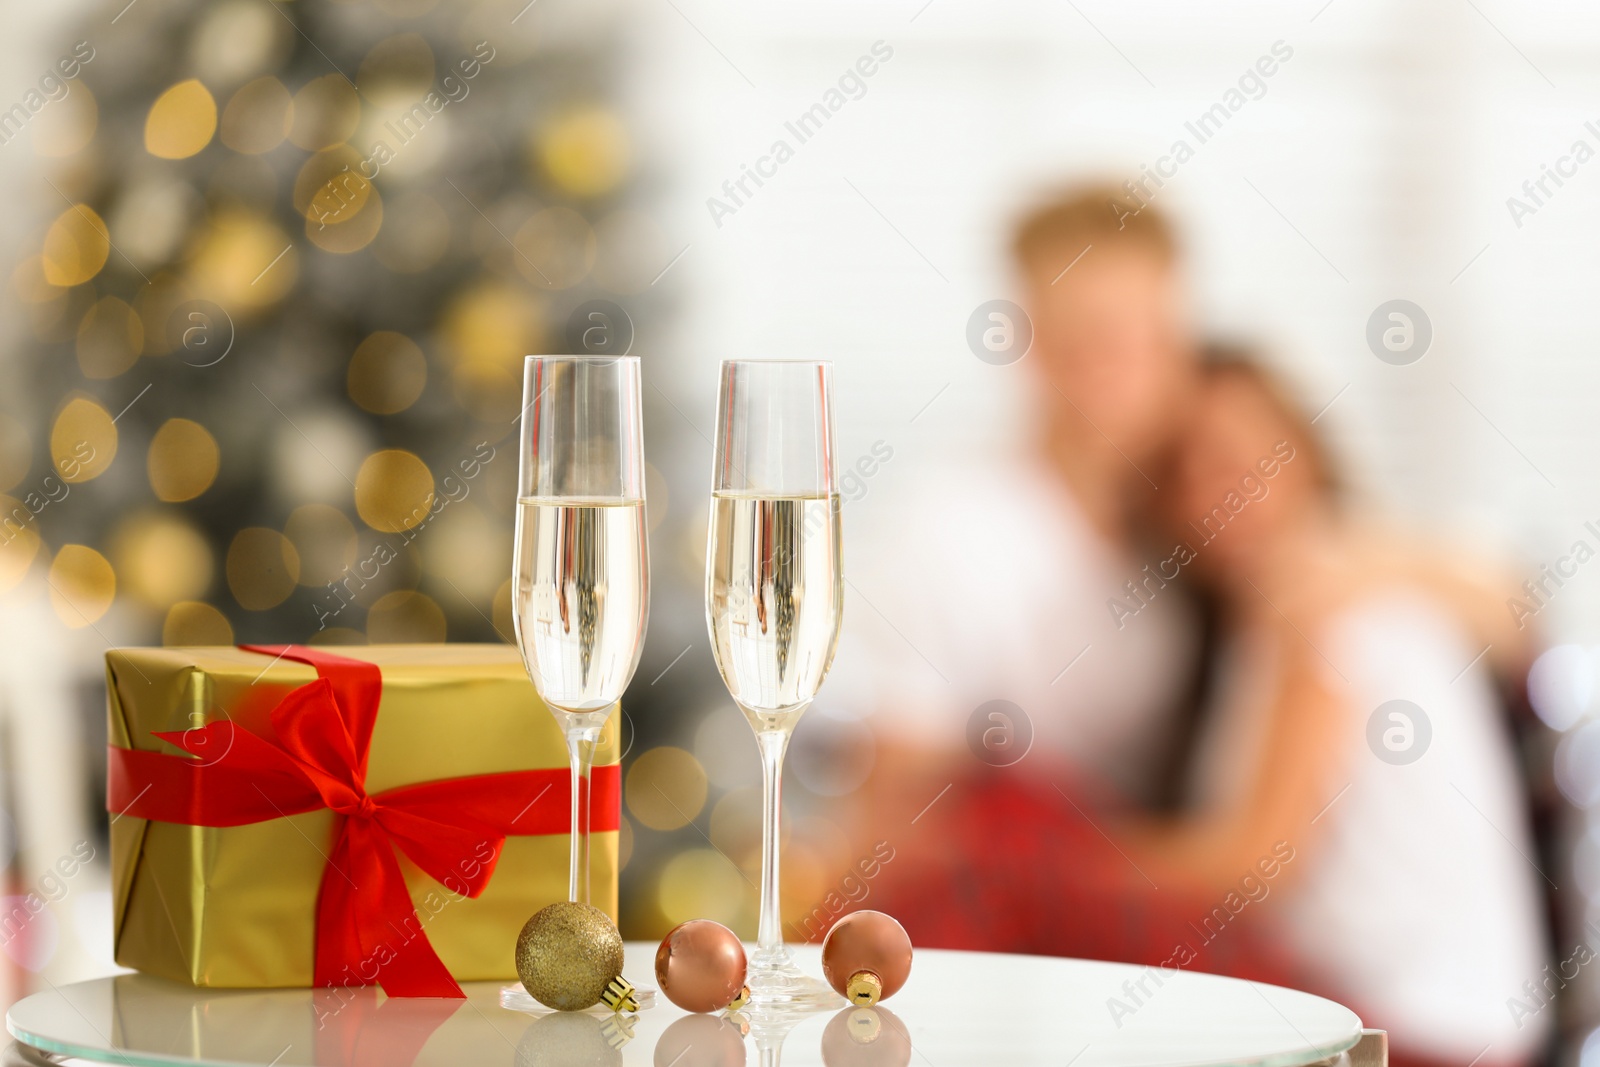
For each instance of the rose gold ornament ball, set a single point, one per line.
(867, 941)
(700, 965)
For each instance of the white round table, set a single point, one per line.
(958, 1008)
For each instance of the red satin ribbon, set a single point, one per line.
(453, 828)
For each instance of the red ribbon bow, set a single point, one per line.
(453, 828)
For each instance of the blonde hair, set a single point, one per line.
(1097, 214)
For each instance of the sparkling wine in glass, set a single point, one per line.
(774, 596)
(581, 572)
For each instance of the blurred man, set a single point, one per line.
(1022, 619)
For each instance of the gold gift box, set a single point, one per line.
(236, 906)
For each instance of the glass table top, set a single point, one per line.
(957, 1008)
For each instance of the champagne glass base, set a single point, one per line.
(778, 985)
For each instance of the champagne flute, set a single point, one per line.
(774, 596)
(581, 572)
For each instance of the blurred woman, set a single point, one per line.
(1355, 722)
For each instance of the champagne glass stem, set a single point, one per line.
(769, 935)
(581, 739)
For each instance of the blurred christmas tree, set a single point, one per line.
(298, 255)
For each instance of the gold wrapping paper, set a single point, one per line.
(236, 906)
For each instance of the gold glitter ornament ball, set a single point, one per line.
(568, 954)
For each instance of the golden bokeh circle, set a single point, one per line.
(351, 233)
(387, 373)
(191, 622)
(83, 440)
(699, 883)
(182, 461)
(75, 246)
(555, 248)
(181, 121)
(162, 558)
(666, 788)
(82, 585)
(258, 117)
(262, 567)
(20, 544)
(67, 126)
(584, 151)
(325, 540)
(110, 338)
(326, 112)
(394, 490)
(242, 262)
(405, 617)
(486, 330)
(330, 188)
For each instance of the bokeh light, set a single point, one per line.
(110, 338)
(152, 219)
(555, 248)
(182, 461)
(666, 788)
(181, 121)
(487, 329)
(243, 261)
(239, 38)
(82, 585)
(83, 440)
(75, 246)
(161, 557)
(191, 622)
(725, 744)
(700, 883)
(584, 151)
(387, 373)
(262, 567)
(404, 616)
(468, 549)
(394, 490)
(736, 827)
(19, 541)
(326, 111)
(1561, 685)
(258, 117)
(324, 539)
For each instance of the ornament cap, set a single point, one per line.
(741, 1000)
(619, 995)
(864, 989)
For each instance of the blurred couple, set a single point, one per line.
(1246, 728)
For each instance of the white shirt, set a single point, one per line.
(987, 583)
(1419, 900)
